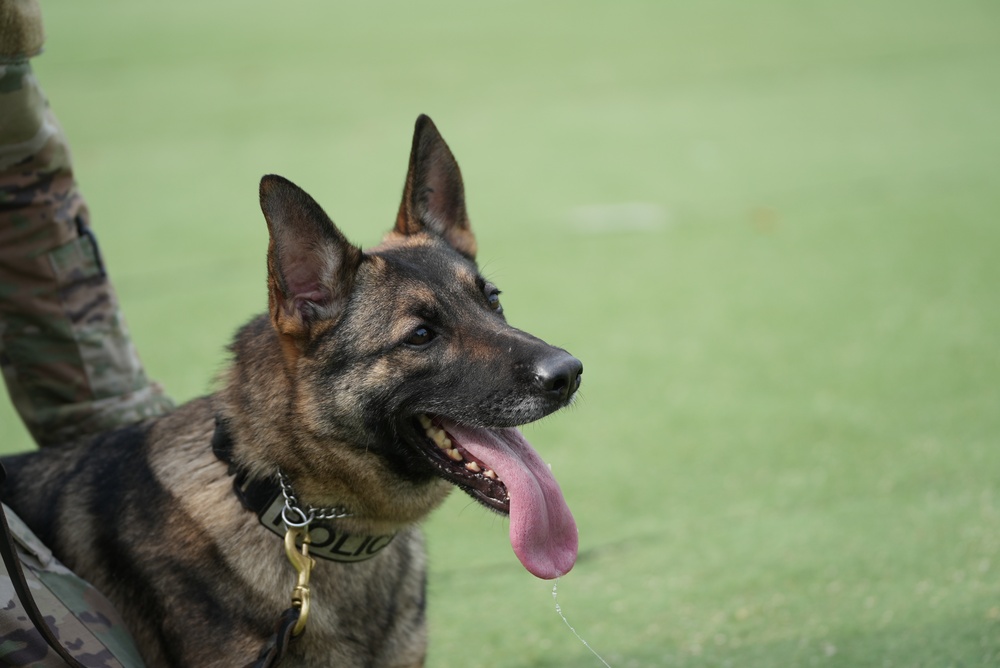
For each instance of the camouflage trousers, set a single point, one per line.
(69, 364)
(85, 621)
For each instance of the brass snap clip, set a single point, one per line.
(303, 565)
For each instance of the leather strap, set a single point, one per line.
(274, 649)
(9, 551)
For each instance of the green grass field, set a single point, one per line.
(770, 230)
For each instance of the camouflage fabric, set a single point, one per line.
(69, 364)
(21, 32)
(66, 355)
(84, 620)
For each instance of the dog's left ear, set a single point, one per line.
(310, 264)
(434, 197)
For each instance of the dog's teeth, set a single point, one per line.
(473, 466)
(441, 439)
(489, 473)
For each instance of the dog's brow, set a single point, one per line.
(419, 296)
(467, 275)
(419, 305)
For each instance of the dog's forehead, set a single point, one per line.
(433, 266)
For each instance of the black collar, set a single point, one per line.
(263, 497)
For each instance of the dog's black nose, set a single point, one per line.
(559, 375)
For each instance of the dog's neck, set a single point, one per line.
(274, 504)
(272, 428)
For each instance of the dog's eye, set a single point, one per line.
(421, 336)
(494, 301)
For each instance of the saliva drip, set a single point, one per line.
(570, 627)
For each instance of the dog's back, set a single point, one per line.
(147, 514)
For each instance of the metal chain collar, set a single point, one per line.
(297, 521)
(294, 516)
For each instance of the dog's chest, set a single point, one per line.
(369, 613)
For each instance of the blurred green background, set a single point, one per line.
(770, 230)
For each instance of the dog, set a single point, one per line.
(377, 382)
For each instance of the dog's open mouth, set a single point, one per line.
(462, 468)
(500, 469)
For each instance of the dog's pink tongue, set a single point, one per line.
(542, 530)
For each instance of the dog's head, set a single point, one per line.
(402, 354)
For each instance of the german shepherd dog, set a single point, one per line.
(378, 381)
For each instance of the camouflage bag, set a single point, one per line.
(81, 628)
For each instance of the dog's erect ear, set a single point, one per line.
(310, 264)
(433, 197)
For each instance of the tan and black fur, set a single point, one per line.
(326, 387)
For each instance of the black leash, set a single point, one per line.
(9, 551)
(274, 649)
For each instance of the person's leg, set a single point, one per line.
(69, 364)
